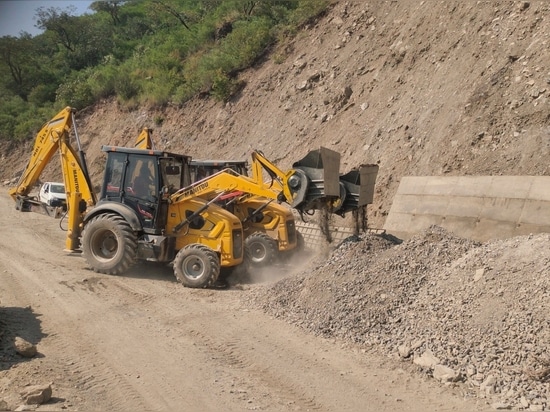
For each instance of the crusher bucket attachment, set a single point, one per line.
(323, 189)
(359, 184)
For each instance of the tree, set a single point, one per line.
(62, 23)
(172, 10)
(83, 39)
(16, 55)
(111, 6)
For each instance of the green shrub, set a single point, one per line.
(126, 87)
(75, 92)
(102, 81)
(222, 85)
(42, 94)
(28, 125)
(7, 126)
(306, 11)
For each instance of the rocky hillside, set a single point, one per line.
(420, 88)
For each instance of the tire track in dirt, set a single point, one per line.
(64, 335)
(135, 304)
(249, 357)
(261, 384)
(77, 320)
(236, 373)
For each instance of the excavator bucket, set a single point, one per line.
(322, 170)
(359, 184)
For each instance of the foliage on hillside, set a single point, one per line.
(144, 52)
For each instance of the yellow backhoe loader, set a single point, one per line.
(137, 215)
(314, 183)
(147, 209)
(269, 227)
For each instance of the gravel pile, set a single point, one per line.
(463, 312)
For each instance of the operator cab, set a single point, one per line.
(143, 180)
(201, 169)
(204, 168)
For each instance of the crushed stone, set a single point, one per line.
(480, 309)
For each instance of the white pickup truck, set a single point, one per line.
(52, 194)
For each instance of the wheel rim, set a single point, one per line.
(257, 252)
(104, 244)
(193, 267)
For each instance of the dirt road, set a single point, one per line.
(144, 342)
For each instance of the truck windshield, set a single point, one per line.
(57, 188)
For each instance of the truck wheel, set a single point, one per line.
(109, 244)
(197, 266)
(262, 249)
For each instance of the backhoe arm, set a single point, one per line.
(145, 139)
(45, 146)
(54, 137)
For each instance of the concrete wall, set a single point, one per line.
(475, 207)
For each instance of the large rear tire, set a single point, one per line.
(262, 248)
(197, 266)
(109, 244)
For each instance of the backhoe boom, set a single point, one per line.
(52, 138)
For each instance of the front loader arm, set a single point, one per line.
(281, 181)
(314, 183)
(224, 181)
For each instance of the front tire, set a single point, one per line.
(197, 266)
(109, 244)
(262, 249)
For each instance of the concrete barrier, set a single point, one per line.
(476, 207)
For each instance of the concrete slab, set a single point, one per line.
(471, 186)
(476, 207)
(501, 185)
(535, 212)
(502, 209)
(464, 206)
(540, 189)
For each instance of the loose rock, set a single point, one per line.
(24, 348)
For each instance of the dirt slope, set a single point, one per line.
(421, 88)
